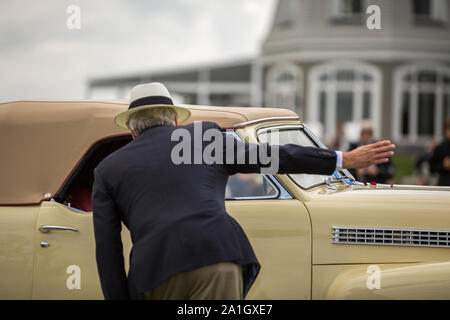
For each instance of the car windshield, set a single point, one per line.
(297, 134)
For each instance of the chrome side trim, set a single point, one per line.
(284, 194)
(266, 119)
(266, 197)
(418, 187)
(391, 237)
(233, 133)
(314, 138)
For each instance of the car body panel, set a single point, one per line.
(68, 253)
(396, 281)
(280, 233)
(17, 251)
(376, 208)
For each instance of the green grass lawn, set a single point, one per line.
(404, 166)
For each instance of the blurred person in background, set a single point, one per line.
(381, 173)
(338, 141)
(440, 160)
(423, 164)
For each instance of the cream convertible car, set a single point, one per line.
(317, 237)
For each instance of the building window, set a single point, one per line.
(347, 11)
(351, 7)
(430, 12)
(343, 92)
(284, 87)
(286, 14)
(422, 95)
(422, 7)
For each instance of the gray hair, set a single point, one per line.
(159, 116)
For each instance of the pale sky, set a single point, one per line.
(41, 58)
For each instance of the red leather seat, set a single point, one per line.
(81, 199)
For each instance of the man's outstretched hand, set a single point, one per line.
(365, 156)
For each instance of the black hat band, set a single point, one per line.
(150, 101)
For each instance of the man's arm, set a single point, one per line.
(292, 158)
(109, 250)
(289, 158)
(367, 155)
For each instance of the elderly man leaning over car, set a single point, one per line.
(185, 245)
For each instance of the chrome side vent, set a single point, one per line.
(391, 237)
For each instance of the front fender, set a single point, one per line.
(383, 281)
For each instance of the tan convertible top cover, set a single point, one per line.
(42, 141)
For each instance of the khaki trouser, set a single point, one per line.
(221, 281)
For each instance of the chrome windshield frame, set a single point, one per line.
(264, 120)
(320, 144)
(314, 139)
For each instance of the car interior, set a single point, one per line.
(76, 193)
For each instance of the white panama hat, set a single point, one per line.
(148, 96)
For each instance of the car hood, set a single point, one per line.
(384, 193)
(381, 206)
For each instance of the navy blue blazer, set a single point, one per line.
(175, 213)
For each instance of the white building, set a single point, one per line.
(321, 60)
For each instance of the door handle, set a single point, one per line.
(46, 229)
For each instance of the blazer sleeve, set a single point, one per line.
(289, 158)
(109, 249)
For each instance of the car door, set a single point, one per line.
(277, 226)
(17, 250)
(279, 230)
(65, 266)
